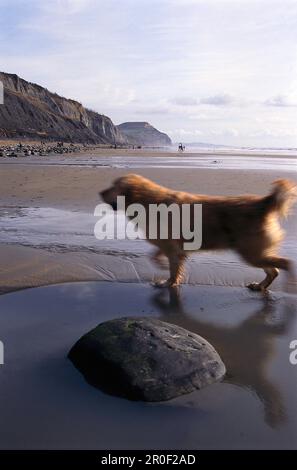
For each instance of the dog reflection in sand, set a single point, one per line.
(247, 224)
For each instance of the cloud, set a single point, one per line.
(184, 101)
(229, 132)
(152, 110)
(281, 101)
(202, 117)
(218, 100)
(185, 132)
(67, 7)
(283, 132)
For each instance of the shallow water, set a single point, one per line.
(46, 403)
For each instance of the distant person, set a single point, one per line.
(181, 147)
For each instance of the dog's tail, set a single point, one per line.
(282, 197)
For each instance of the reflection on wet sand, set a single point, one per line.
(247, 349)
(39, 326)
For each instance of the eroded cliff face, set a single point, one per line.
(30, 110)
(143, 133)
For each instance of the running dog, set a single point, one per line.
(247, 224)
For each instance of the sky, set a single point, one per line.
(218, 71)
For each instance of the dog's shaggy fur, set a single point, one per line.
(247, 224)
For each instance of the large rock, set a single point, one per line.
(146, 359)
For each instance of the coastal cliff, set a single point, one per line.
(31, 111)
(143, 133)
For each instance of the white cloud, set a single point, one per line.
(275, 133)
(180, 132)
(64, 7)
(201, 117)
(282, 101)
(218, 100)
(152, 110)
(184, 101)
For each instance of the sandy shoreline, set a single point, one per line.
(103, 150)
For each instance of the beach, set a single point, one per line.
(53, 201)
(47, 241)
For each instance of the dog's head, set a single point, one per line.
(123, 186)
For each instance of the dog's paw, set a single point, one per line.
(161, 283)
(254, 286)
(257, 287)
(164, 283)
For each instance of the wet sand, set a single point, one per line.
(46, 403)
(43, 246)
(40, 244)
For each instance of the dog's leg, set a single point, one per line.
(271, 265)
(271, 274)
(176, 265)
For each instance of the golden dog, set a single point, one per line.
(247, 224)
